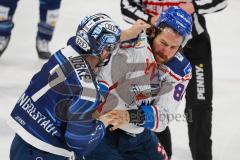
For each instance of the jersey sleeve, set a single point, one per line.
(132, 11)
(210, 6)
(83, 133)
(83, 137)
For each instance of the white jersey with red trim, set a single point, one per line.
(139, 84)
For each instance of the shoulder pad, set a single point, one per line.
(178, 67)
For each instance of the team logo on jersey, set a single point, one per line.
(188, 69)
(141, 96)
(200, 81)
(141, 92)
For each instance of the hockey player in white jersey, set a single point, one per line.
(149, 76)
(199, 93)
(53, 117)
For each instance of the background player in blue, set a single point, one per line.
(149, 87)
(48, 10)
(53, 117)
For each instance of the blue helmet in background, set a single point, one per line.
(97, 32)
(178, 19)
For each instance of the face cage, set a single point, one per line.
(110, 48)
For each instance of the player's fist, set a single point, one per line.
(188, 7)
(118, 118)
(134, 30)
(154, 20)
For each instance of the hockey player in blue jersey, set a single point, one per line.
(48, 10)
(149, 87)
(53, 117)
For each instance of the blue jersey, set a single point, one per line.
(54, 114)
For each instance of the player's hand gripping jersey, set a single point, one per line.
(65, 88)
(148, 92)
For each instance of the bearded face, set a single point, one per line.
(166, 44)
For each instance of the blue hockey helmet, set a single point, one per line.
(97, 32)
(178, 19)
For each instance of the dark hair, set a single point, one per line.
(153, 31)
